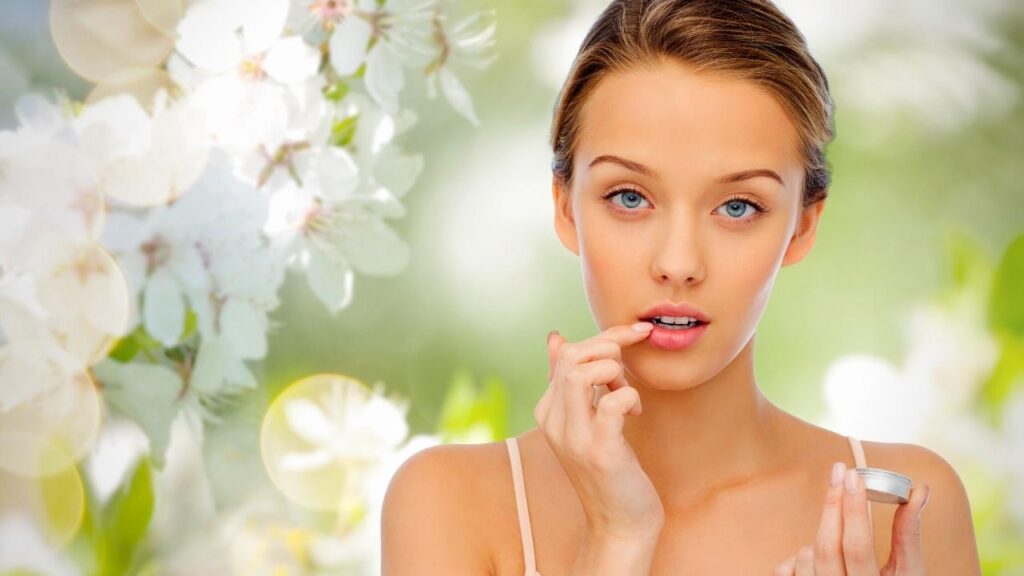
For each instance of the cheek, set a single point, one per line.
(610, 270)
(744, 269)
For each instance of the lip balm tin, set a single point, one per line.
(885, 485)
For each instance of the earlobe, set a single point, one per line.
(565, 222)
(806, 232)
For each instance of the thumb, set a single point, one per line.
(906, 556)
(555, 341)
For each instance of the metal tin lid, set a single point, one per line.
(885, 485)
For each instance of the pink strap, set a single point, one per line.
(522, 509)
(860, 461)
(858, 452)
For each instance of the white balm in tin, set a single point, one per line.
(885, 485)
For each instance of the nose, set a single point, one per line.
(678, 259)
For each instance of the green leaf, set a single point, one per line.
(85, 548)
(191, 324)
(1006, 311)
(469, 413)
(1007, 376)
(126, 520)
(125, 349)
(336, 91)
(343, 131)
(970, 263)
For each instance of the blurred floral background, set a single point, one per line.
(255, 254)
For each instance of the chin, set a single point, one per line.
(657, 369)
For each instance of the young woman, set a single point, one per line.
(688, 169)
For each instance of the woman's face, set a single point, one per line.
(663, 224)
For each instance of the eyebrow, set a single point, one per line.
(727, 179)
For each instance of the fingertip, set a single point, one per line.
(642, 327)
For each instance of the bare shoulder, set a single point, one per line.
(436, 506)
(947, 528)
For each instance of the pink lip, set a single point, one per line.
(669, 309)
(674, 339)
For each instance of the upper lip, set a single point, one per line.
(678, 310)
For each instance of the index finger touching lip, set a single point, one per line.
(627, 334)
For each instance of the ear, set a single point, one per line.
(565, 220)
(806, 231)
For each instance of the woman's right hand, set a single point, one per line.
(618, 497)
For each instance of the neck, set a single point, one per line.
(711, 436)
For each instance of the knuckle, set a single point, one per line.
(834, 499)
(827, 550)
(615, 402)
(606, 404)
(856, 548)
(908, 534)
(568, 353)
(575, 376)
(609, 366)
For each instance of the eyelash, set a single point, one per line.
(758, 206)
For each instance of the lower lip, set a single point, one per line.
(670, 339)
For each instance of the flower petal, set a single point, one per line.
(245, 327)
(206, 35)
(374, 248)
(384, 77)
(348, 44)
(291, 60)
(457, 95)
(330, 280)
(308, 420)
(338, 173)
(164, 308)
(262, 22)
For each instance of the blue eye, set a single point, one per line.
(630, 197)
(736, 207)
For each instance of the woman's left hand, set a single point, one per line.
(845, 545)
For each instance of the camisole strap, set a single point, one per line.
(860, 460)
(858, 452)
(525, 532)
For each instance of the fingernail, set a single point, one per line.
(642, 326)
(550, 334)
(838, 469)
(851, 480)
(927, 495)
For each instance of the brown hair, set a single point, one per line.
(746, 39)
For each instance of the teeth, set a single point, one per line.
(675, 319)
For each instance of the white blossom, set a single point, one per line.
(465, 43)
(400, 31)
(247, 69)
(143, 160)
(343, 426)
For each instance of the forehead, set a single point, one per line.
(689, 124)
